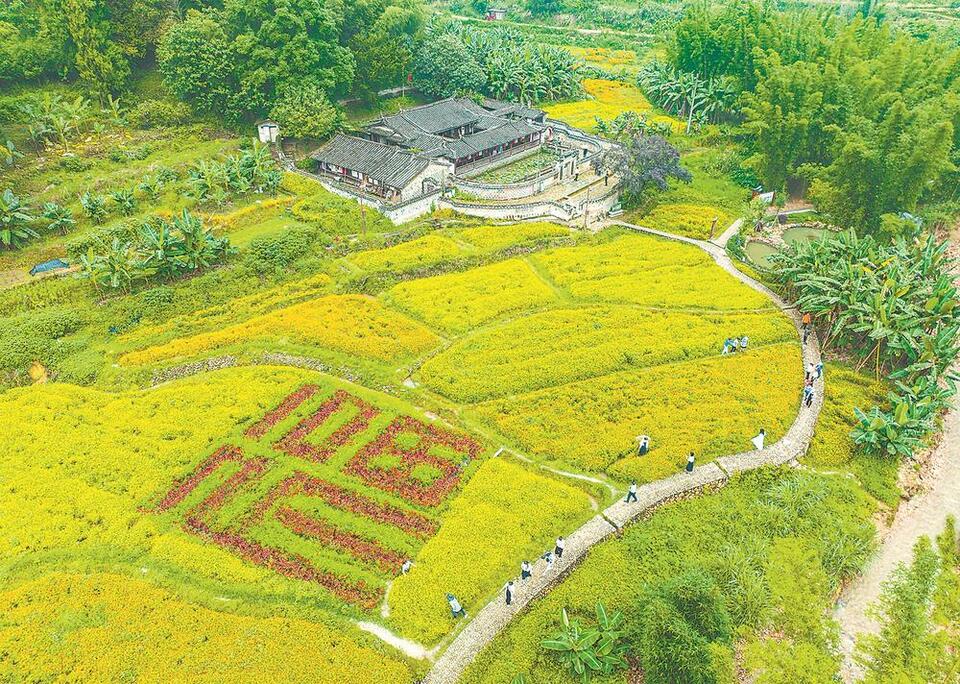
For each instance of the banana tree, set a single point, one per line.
(589, 651)
(15, 219)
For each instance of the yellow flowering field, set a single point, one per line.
(710, 406)
(408, 256)
(605, 58)
(244, 489)
(493, 238)
(351, 324)
(458, 302)
(113, 628)
(228, 313)
(644, 269)
(607, 99)
(504, 514)
(691, 220)
(563, 345)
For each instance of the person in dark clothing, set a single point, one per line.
(690, 461)
(632, 492)
(509, 592)
(558, 549)
(526, 570)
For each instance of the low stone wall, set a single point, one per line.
(512, 212)
(507, 191)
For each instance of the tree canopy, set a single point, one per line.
(868, 115)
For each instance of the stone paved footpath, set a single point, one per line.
(492, 618)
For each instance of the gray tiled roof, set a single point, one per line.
(435, 117)
(511, 109)
(388, 164)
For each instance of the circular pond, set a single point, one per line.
(759, 252)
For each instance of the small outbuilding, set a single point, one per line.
(496, 14)
(268, 131)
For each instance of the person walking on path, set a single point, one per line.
(819, 369)
(808, 395)
(455, 608)
(632, 492)
(805, 321)
(643, 445)
(558, 549)
(811, 371)
(509, 592)
(758, 440)
(548, 557)
(690, 461)
(526, 570)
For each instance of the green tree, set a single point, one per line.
(196, 59)
(306, 112)
(903, 649)
(444, 66)
(682, 632)
(540, 8)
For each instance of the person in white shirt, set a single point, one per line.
(558, 550)
(526, 570)
(455, 608)
(405, 568)
(758, 440)
(632, 492)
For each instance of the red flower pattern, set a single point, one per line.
(294, 442)
(365, 550)
(345, 500)
(289, 565)
(286, 407)
(182, 489)
(399, 480)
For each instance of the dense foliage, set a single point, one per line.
(97, 40)
(866, 114)
(893, 305)
(755, 563)
(253, 57)
(918, 611)
(166, 249)
(457, 59)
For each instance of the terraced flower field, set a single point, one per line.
(269, 490)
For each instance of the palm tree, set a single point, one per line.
(15, 218)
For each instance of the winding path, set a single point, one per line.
(493, 617)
